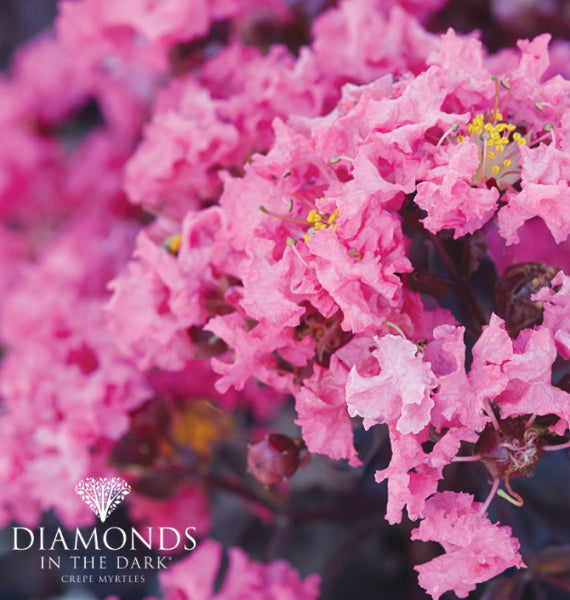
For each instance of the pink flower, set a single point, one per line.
(449, 199)
(475, 549)
(254, 354)
(323, 417)
(413, 474)
(60, 421)
(270, 287)
(544, 192)
(366, 286)
(493, 348)
(67, 391)
(517, 374)
(181, 145)
(161, 295)
(139, 316)
(455, 402)
(400, 394)
(100, 28)
(556, 309)
(204, 124)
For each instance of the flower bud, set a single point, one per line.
(276, 458)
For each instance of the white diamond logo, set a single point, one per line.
(103, 494)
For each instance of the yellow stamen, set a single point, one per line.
(495, 170)
(490, 155)
(172, 243)
(507, 162)
(313, 216)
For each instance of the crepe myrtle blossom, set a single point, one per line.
(214, 118)
(205, 123)
(278, 262)
(195, 576)
(505, 405)
(467, 142)
(179, 276)
(321, 409)
(310, 277)
(408, 392)
(509, 136)
(290, 198)
(475, 549)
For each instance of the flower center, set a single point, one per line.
(318, 220)
(498, 141)
(315, 219)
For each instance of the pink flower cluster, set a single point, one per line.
(248, 223)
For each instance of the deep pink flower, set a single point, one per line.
(543, 248)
